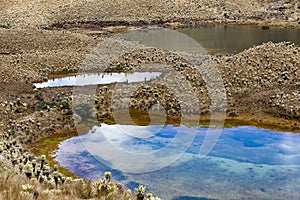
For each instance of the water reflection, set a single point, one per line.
(165, 39)
(232, 39)
(92, 79)
(246, 163)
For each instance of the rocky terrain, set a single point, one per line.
(92, 13)
(265, 77)
(44, 39)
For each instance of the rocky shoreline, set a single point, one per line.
(44, 39)
(268, 84)
(261, 87)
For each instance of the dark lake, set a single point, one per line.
(230, 39)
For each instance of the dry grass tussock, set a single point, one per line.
(18, 187)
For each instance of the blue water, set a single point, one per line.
(246, 162)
